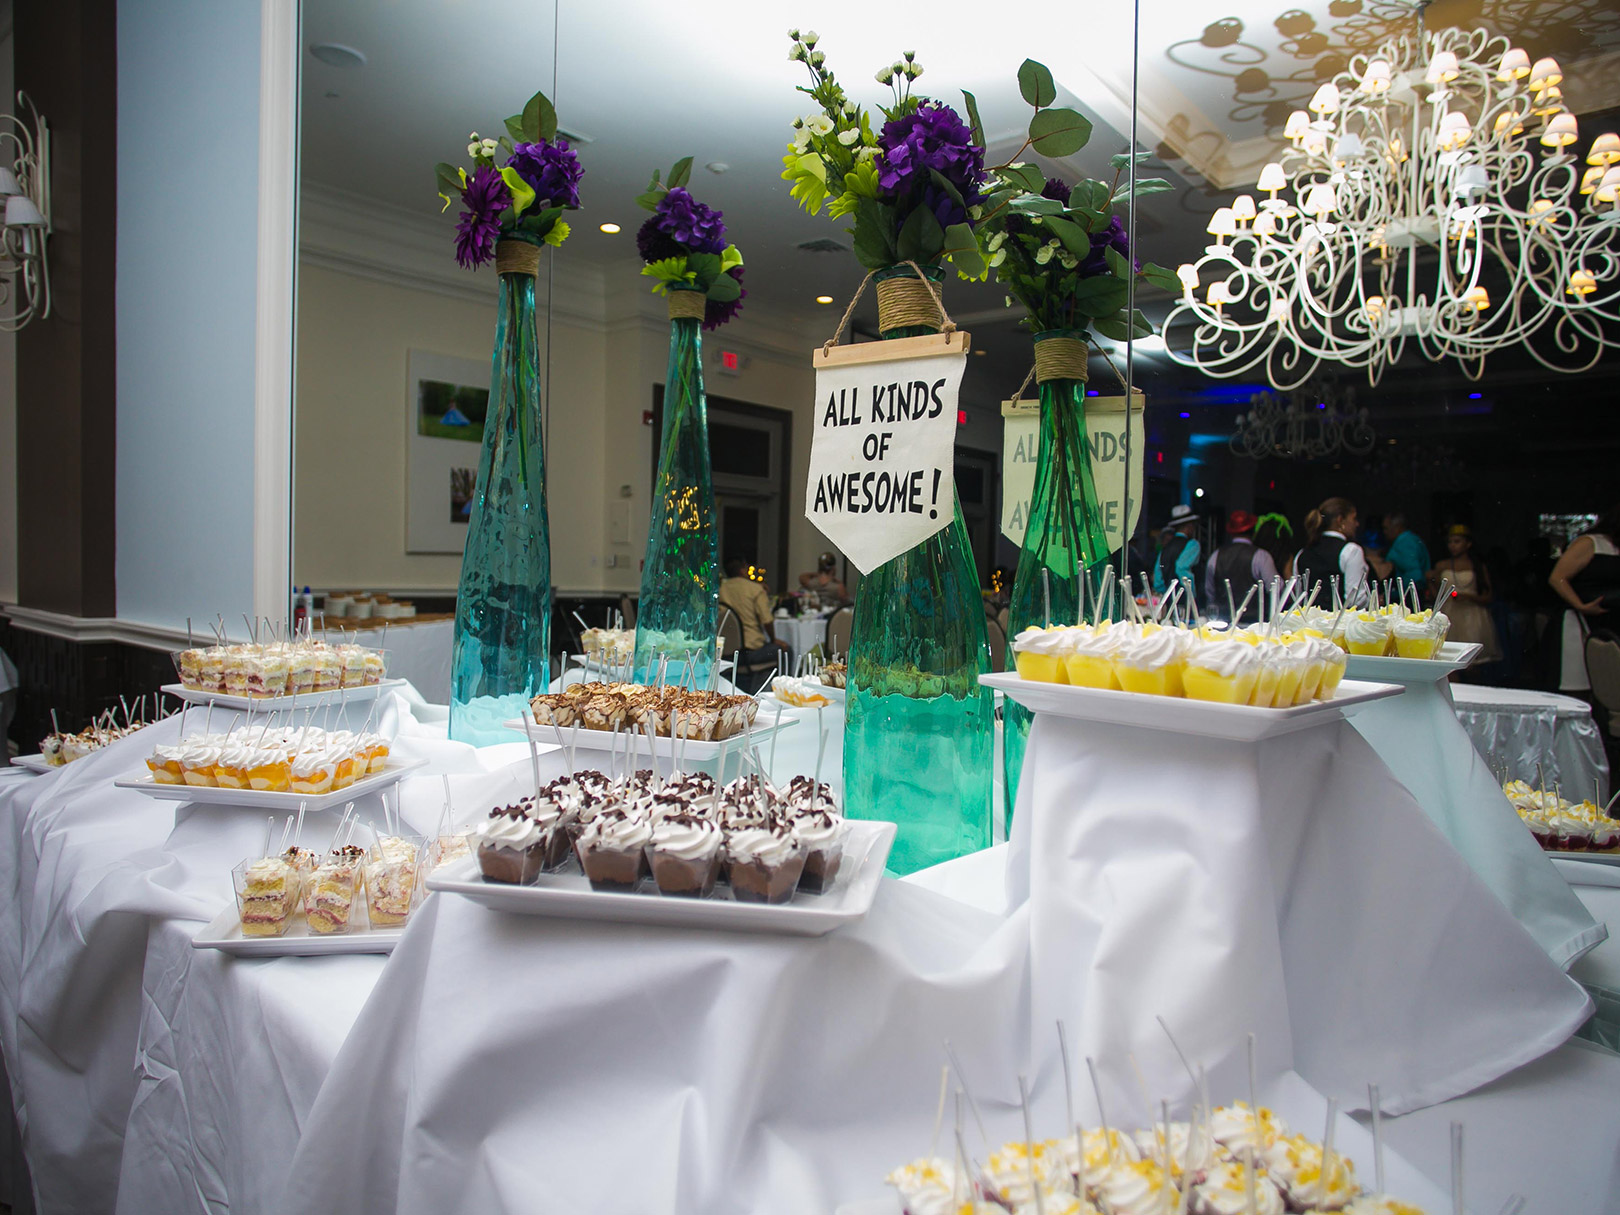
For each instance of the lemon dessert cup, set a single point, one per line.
(1038, 653)
(1224, 671)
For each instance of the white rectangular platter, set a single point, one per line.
(1210, 719)
(691, 748)
(224, 933)
(596, 668)
(570, 897)
(264, 799)
(275, 704)
(1597, 858)
(34, 763)
(1453, 656)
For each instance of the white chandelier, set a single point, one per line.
(25, 186)
(1312, 422)
(1429, 195)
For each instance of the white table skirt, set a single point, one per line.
(1517, 728)
(420, 653)
(153, 1077)
(802, 634)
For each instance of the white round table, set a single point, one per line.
(1517, 728)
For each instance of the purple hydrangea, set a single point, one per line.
(683, 219)
(717, 313)
(552, 171)
(1057, 190)
(1096, 262)
(485, 196)
(654, 245)
(932, 137)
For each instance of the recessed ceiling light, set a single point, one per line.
(981, 353)
(717, 166)
(335, 54)
(823, 299)
(610, 229)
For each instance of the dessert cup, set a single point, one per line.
(1088, 659)
(392, 879)
(684, 853)
(1222, 671)
(821, 836)
(765, 865)
(511, 850)
(1038, 655)
(332, 890)
(1150, 664)
(267, 889)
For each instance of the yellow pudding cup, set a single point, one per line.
(1264, 694)
(1151, 681)
(1331, 674)
(1417, 647)
(1367, 648)
(1040, 668)
(1289, 679)
(1310, 681)
(1203, 684)
(1090, 671)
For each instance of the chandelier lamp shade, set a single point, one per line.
(1431, 196)
(25, 185)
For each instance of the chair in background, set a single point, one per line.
(1001, 618)
(749, 676)
(839, 626)
(998, 646)
(627, 606)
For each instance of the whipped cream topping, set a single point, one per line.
(1138, 1188)
(1236, 1127)
(1366, 631)
(817, 831)
(616, 831)
(510, 833)
(761, 845)
(1225, 1191)
(1009, 1171)
(686, 836)
(1036, 640)
(1155, 650)
(1226, 658)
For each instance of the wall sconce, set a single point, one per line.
(25, 184)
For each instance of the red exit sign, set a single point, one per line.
(732, 363)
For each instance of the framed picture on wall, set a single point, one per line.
(446, 400)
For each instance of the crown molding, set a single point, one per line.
(351, 234)
(89, 629)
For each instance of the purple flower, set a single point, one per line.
(552, 171)
(485, 196)
(931, 138)
(717, 313)
(683, 219)
(653, 245)
(1096, 262)
(1056, 189)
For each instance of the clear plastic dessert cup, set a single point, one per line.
(267, 890)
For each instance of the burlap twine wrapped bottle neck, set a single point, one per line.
(517, 257)
(1060, 358)
(688, 304)
(902, 302)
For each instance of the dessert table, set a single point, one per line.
(495, 1054)
(1517, 728)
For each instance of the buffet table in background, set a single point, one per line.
(419, 650)
(802, 634)
(1517, 728)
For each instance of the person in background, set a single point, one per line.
(1467, 605)
(1407, 555)
(1329, 553)
(1240, 562)
(1269, 531)
(1178, 554)
(1587, 579)
(824, 581)
(750, 602)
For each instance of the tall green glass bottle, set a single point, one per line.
(1064, 534)
(919, 728)
(679, 612)
(501, 654)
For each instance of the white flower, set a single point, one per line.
(999, 239)
(898, 67)
(801, 140)
(811, 37)
(793, 34)
(996, 258)
(1043, 255)
(796, 54)
(867, 152)
(472, 148)
(798, 123)
(472, 134)
(850, 108)
(1069, 260)
(848, 137)
(885, 76)
(914, 71)
(489, 146)
(820, 124)
(817, 58)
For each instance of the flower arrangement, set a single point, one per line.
(911, 187)
(684, 246)
(1059, 249)
(523, 199)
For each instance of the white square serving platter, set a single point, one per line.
(663, 745)
(264, 799)
(1452, 656)
(224, 933)
(1210, 719)
(570, 897)
(34, 763)
(276, 704)
(1596, 858)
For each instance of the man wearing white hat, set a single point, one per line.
(1178, 555)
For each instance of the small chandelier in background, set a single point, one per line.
(25, 184)
(1435, 163)
(1311, 422)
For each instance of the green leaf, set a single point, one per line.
(1035, 83)
(1122, 160)
(921, 238)
(1159, 276)
(1090, 196)
(514, 128)
(1116, 327)
(1100, 296)
(944, 183)
(1029, 177)
(522, 192)
(539, 119)
(681, 173)
(448, 176)
(1060, 132)
(964, 252)
(1034, 204)
(704, 265)
(724, 289)
(1116, 261)
(973, 117)
(1144, 187)
(649, 201)
(873, 239)
(1072, 235)
(730, 258)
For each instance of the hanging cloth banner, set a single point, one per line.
(1105, 433)
(882, 457)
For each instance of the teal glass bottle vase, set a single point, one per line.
(678, 616)
(1064, 535)
(502, 649)
(919, 728)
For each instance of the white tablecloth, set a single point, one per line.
(802, 634)
(1517, 728)
(1417, 734)
(497, 1059)
(420, 653)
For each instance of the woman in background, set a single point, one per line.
(1330, 553)
(1587, 579)
(1466, 605)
